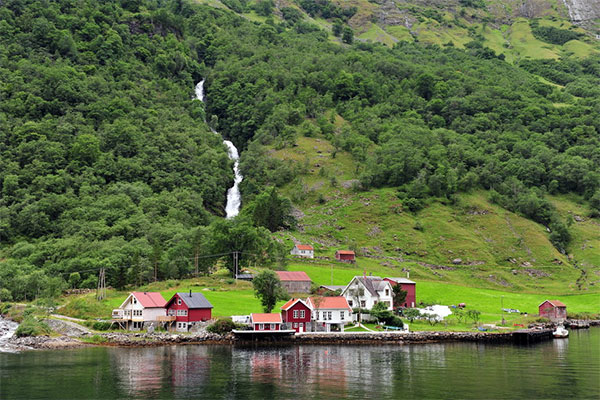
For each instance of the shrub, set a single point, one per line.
(222, 326)
(31, 326)
(4, 307)
(5, 295)
(97, 339)
(101, 326)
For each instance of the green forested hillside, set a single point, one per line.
(106, 161)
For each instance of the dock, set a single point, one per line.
(531, 336)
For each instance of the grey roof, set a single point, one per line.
(401, 280)
(372, 283)
(196, 300)
(333, 287)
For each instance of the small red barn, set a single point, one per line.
(345, 256)
(297, 314)
(409, 287)
(554, 310)
(188, 309)
(266, 322)
(294, 281)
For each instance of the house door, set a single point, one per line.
(301, 326)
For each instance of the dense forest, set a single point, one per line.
(106, 161)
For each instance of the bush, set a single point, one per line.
(31, 326)
(5, 295)
(101, 326)
(222, 326)
(4, 307)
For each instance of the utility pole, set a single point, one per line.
(235, 263)
(196, 263)
(502, 305)
(101, 290)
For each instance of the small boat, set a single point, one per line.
(560, 332)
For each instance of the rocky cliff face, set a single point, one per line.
(583, 11)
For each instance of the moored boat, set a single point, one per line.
(560, 332)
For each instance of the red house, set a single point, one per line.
(296, 313)
(345, 256)
(554, 310)
(186, 309)
(409, 287)
(266, 322)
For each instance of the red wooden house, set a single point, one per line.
(345, 256)
(187, 309)
(409, 287)
(554, 310)
(266, 322)
(297, 314)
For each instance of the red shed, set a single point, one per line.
(266, 322)
(297, 314)
(188, 308)
(409, 287)
(345, 256)
(554, 310)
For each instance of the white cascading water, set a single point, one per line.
(234, 197)
(7, 330)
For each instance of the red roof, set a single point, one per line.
(290, 303)
(304, 247)
(555, 303)
(328, 302)
(349, 252)
(150, 299)
(266, 318)
(293, 276)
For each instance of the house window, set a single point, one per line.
(134, 300)
(363, 303)
(261, 326)
(350, 303)
(178, 302)
(295, 313)
(295, 324)
(329, 315)
(301, 325)
(301, 313)
(272, 327)
(171, 312)
(342, 316)
(387, 292)
(182, 313)
(316, 315)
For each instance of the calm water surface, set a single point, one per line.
(559, 369)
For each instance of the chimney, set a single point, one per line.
(407, 274)
(190, 292)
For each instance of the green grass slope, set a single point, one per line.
(469, 241)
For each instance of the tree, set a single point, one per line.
(399, 295)
(270, 210)
(74, 280)
(474, 315)
(347, 35)
(337, 28)
(268, 289)
(411, 314)
(357, 292)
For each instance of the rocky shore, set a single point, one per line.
(73, 338)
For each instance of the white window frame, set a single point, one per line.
(342, 315)
(302, 314)
(295, 313)
(178, 301)
(261, 327)
(272, 327)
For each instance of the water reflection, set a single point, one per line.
(555, 369)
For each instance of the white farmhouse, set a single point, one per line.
(366, 291)
(303, 250)
(139, 309)
(330, 313)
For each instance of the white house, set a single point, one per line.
(303, 250)
(139, 309)
(331, 313)
(366, 291)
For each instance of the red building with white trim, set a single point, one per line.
(554, 310)
(409, 287)
(345, 256)
(297, 314)
(186, 309)
(266, 322)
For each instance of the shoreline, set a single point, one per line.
(138, 339)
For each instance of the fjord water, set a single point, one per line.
(559, 369)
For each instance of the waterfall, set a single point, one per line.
(7, 330)
(234, 197)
